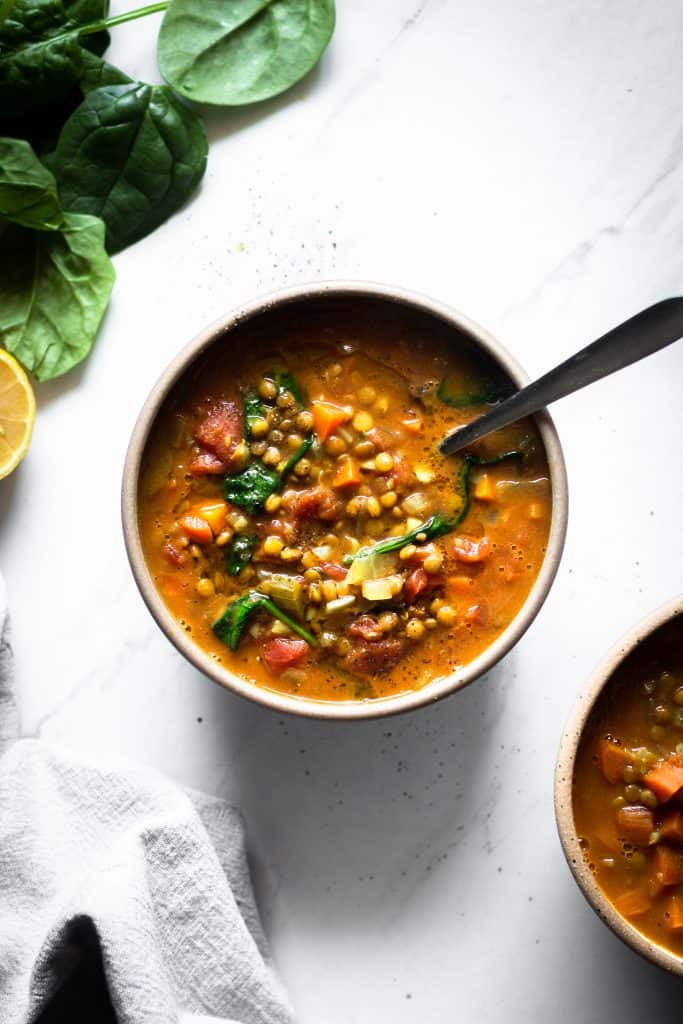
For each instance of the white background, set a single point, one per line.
(521, 160)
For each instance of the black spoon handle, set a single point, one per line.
(645, 333)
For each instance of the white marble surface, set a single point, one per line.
(524, 161)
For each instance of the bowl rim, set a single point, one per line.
(563, 784)
(307, 707)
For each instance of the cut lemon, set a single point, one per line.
(17, 413)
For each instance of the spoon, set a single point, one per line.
(646, 332)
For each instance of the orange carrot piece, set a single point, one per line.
(327, 417)
(674, 912)
(612, 759)
(485, 488)
(666, 779)
(671, 828)
(214, 512)
(414, 425)
(635, 824)
(633, 903)
(348, 473)
(197, 529)
(667, 865)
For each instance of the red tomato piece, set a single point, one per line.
(220, 429)
(206, 464)
(176, 556)
(333, 571)
(466, 549)
(280, 653)
(317, 503)
(415, 584)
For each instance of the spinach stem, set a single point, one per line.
(119, 19)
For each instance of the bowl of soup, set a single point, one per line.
(619, 789)
(292, 526)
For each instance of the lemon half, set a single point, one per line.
(17, 413)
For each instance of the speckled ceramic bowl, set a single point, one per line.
(343, 296)
(564, 774)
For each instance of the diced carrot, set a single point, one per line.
(633, 903)
(214, 512)
(485, 488)
(535, 510)
(666, 779)
(671, 828)
(197, 529)
(466, 549)
(612, 759)
(327, 417)
(635, 824)
(667, 865)
(674, 912)
(414, 425)
(348, 474)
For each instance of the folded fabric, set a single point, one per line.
(112, 868)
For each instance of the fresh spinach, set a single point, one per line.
(250, 488)
(244, 51)
(239, 552)
(285, 381)
(54, 290)
(130, 154)
(43, 44)
(253, 411)
(232, 623)
(437, 525)
(28, 192)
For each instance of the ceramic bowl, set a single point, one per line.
(564, 774)
(354, 297)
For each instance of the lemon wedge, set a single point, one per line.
(17, 413)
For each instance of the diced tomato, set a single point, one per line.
(280, 653)
(466, 549)
(477, 614)
(317, 503)
(333, 571)
(220, 429)
(176, 556)
(366, 627)
(197, 529)
(635, 824)
(205, 463)
(417, 582)
(375, 658)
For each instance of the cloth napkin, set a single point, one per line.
(120, 894)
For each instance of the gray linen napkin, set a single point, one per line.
(111, 863)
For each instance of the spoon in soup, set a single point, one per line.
(645, 333)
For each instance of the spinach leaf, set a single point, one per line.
(5, 8)
(130, 154)
(250, 488)
(232, 623)
(239, 551)
(41, 53)
(285, 381)
(54, 289)
(253, 410)
(28, 192)
(244, 51)
(437, 525)
(97, 72)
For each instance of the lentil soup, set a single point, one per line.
(300, 524)
(628, 788)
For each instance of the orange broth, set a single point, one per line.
(370, 406)
(628, 789)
